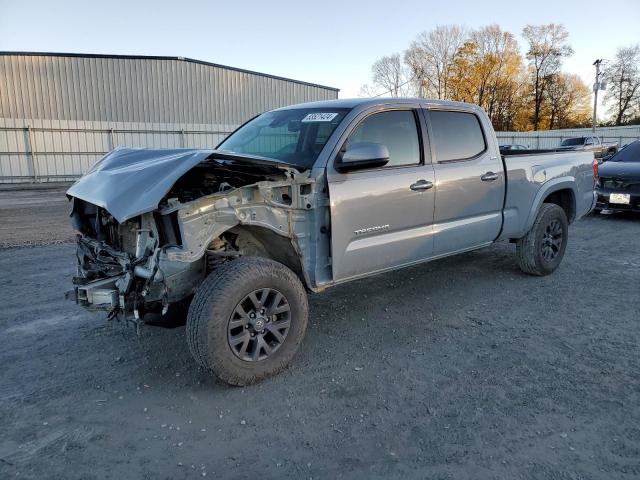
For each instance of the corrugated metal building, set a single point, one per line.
(61, 112)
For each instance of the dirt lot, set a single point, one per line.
(463, 368)
(34, 216)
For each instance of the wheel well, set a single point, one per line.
(565, 199)
(268, 244)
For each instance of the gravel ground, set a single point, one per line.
(463, 368)
(34, 216)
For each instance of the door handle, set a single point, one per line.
(489, 177)
(421, 185)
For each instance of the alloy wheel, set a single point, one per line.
(259, 325)
(552, 240)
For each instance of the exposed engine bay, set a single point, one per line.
(215, 211)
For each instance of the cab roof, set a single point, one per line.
(368, 102)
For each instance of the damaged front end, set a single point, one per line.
(122, 267)
(149, 235)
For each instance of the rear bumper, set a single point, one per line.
(602, 202)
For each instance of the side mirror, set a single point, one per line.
(363, 155)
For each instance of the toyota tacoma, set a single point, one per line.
(304, 198)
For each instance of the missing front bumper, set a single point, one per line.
(98, 295)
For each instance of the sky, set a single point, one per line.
(327, 42)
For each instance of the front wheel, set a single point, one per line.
(541, 250)
(247, 320)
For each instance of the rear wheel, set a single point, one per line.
(541, 250)
(247, 320)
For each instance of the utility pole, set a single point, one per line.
(596, 87)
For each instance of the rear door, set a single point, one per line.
(382, 218)
(470, 181)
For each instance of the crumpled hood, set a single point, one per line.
(131, 181)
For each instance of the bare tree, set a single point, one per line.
(366, 91)
(388, 74)
(485, 66)
(547, 47)
(430, 59)
(623, 76)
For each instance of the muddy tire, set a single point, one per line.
(247, 320)
(541, 250)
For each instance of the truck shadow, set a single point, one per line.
(620, 216)
(418, 300)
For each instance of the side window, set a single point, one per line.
(397, 130)
(589, 141)
(456, 135)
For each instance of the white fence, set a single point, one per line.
(553, 138)
(59, 150)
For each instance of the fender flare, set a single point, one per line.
(554, 185)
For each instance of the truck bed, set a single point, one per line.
(531, 176)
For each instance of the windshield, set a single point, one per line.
(293, 136)
(571, 142)
(630, 153)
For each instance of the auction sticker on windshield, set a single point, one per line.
(320, 117)
(620, 198)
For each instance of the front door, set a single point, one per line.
(382, 218)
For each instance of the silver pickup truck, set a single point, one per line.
(304, 198)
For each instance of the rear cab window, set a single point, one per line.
(456, 135)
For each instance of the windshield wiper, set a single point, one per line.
(254, 159)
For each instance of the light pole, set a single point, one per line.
(596, 87)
